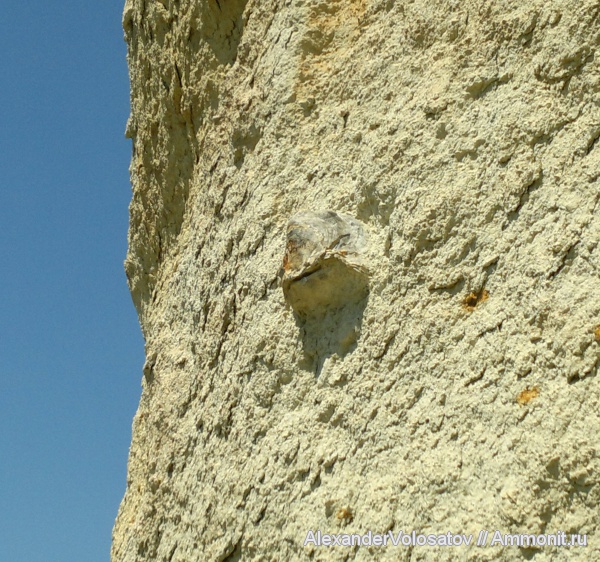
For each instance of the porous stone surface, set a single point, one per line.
(460, 390)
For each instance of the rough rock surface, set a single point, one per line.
(461, 393)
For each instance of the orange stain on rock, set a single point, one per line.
(333, 28)
(527, 395)
(473, 299)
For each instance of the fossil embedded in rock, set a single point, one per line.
(325, 261)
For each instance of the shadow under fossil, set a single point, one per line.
(328, 301)
(335, 332)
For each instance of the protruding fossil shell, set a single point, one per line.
(325, 261)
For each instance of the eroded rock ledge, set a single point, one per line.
(446, 379)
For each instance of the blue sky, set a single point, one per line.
(71, 350)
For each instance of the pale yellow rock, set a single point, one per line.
(463, 138)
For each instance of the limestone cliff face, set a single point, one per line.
(452, 383)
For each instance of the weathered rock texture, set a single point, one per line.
(460, 391)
